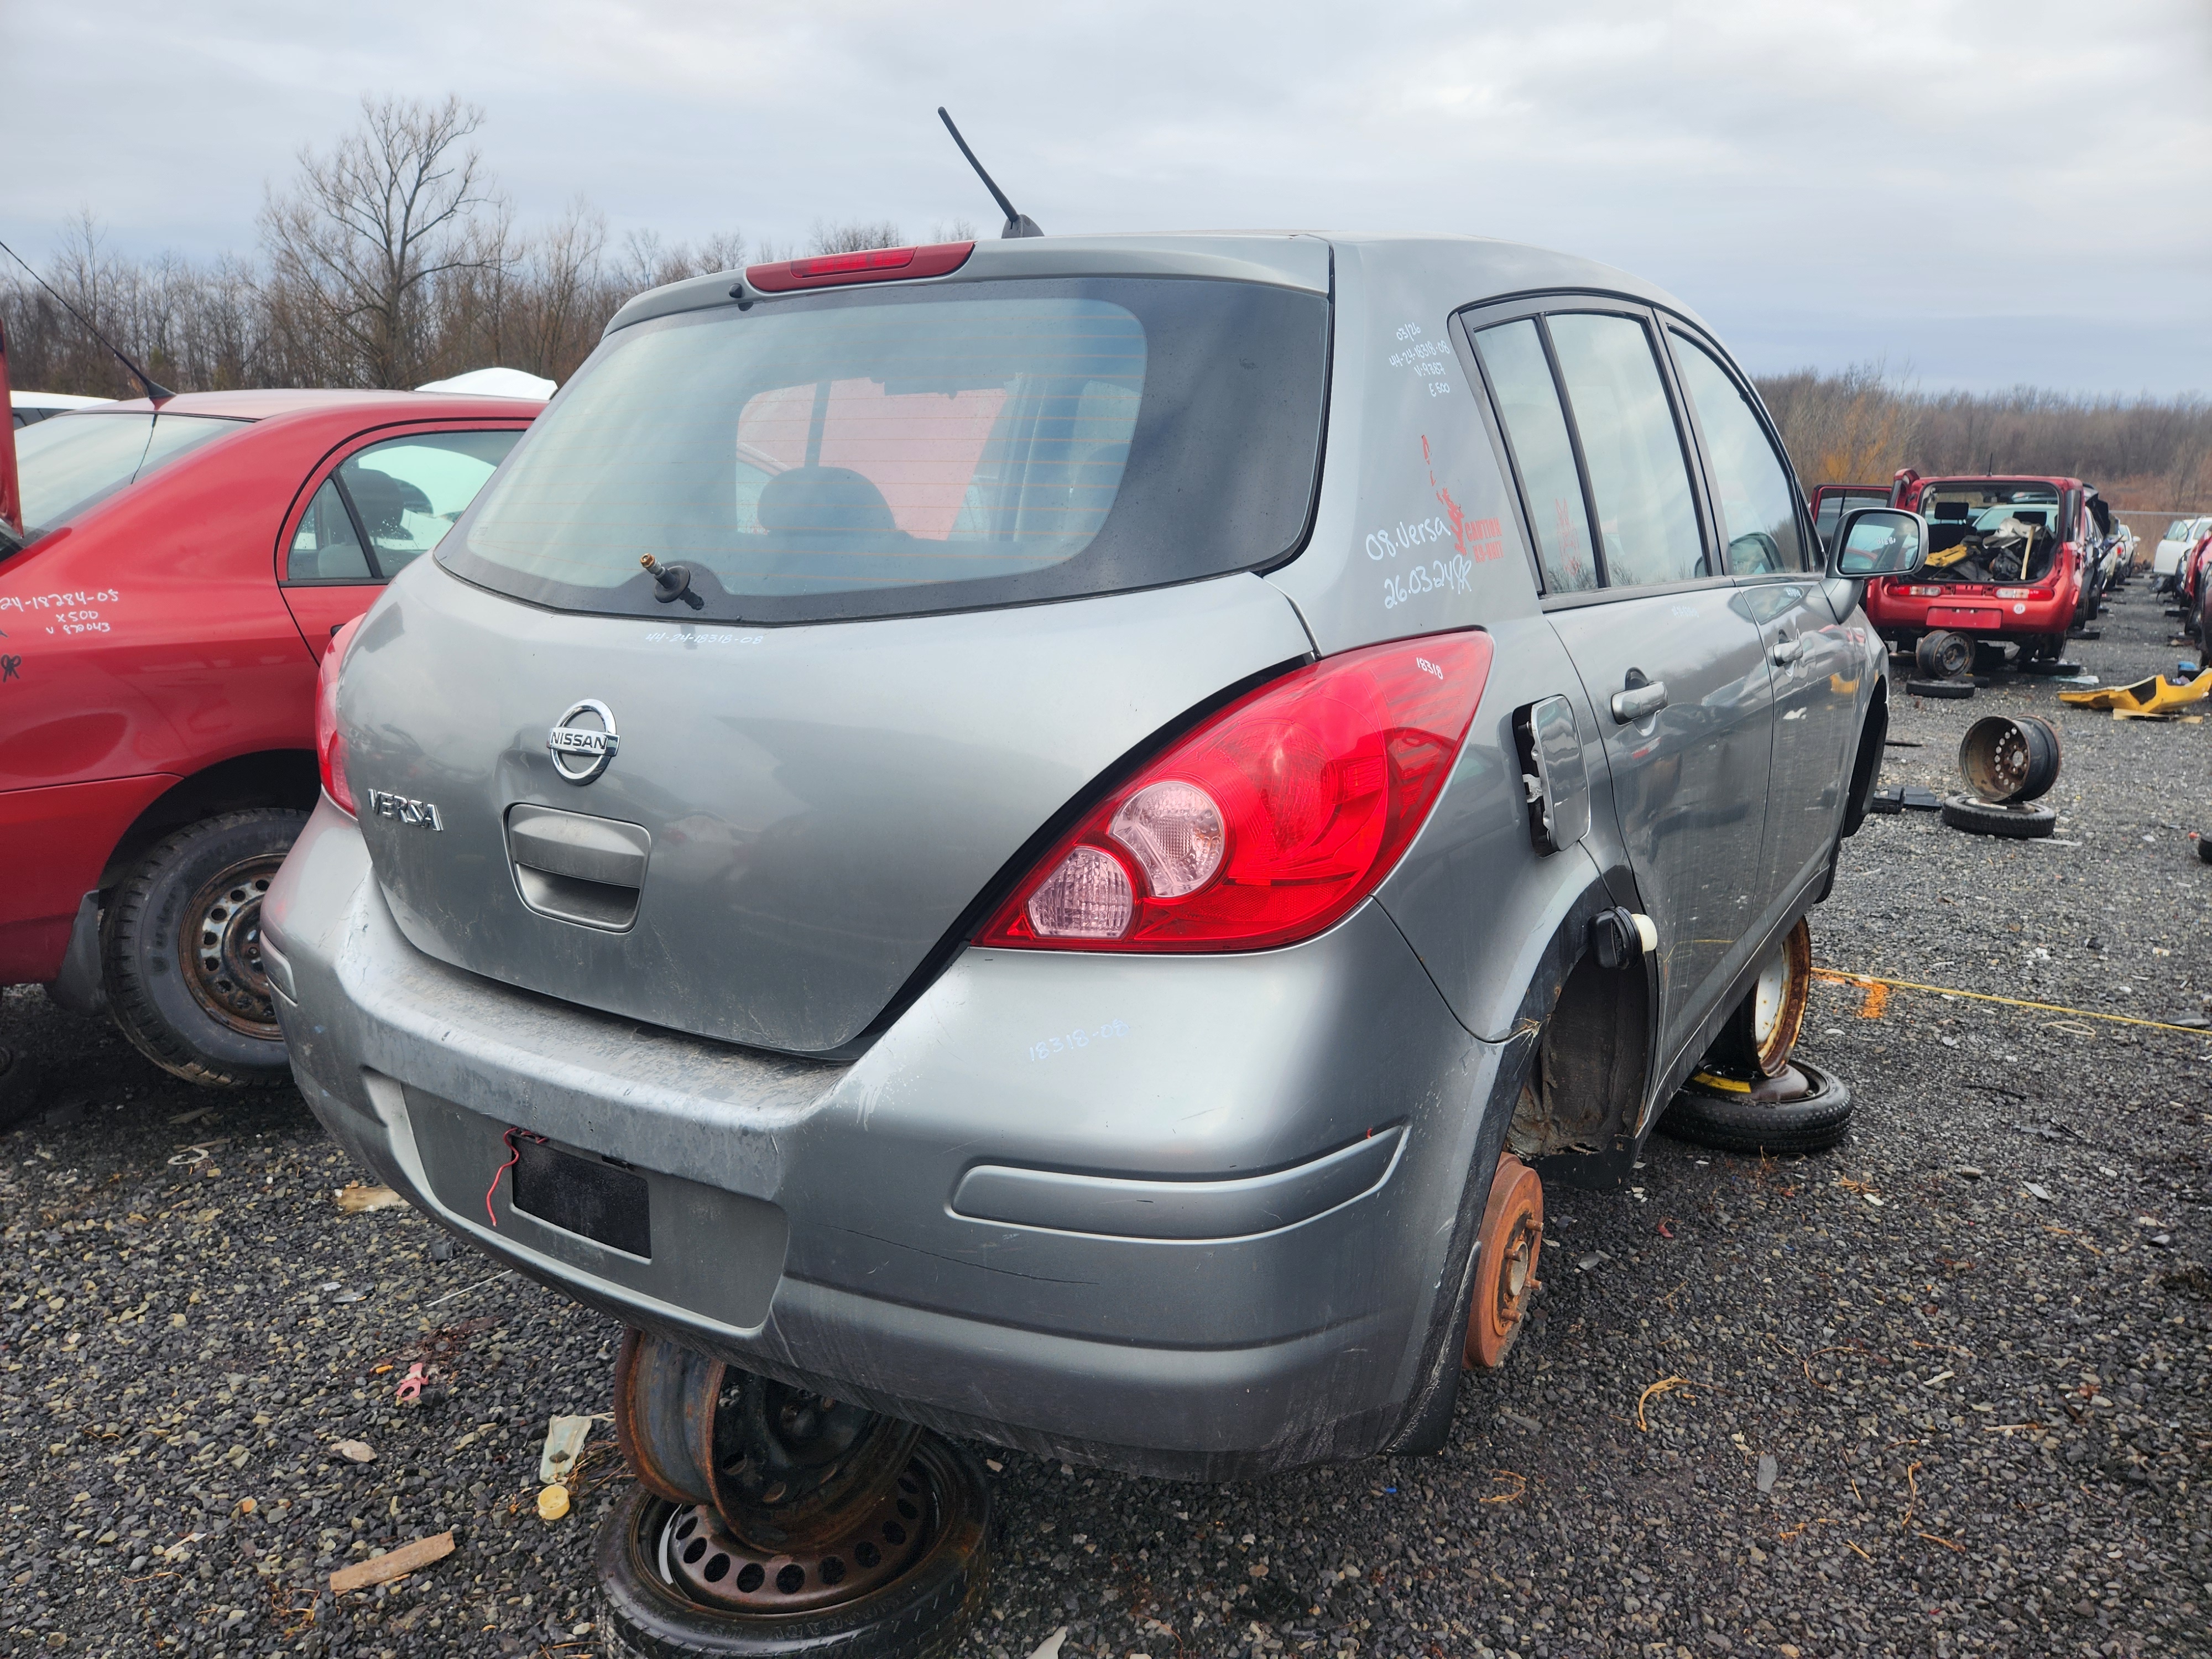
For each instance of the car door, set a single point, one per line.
(1667, 648)
(373, 507)
(1770, 552)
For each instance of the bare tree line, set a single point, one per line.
(1857, 427)
(392, 259)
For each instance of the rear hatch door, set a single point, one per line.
(922, 570)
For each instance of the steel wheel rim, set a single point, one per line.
(1778, 1001)
(704, 1561)
(219, 947)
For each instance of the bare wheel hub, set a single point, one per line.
(1505, 1263)
(219, 944)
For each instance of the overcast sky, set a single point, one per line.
(1977, 194)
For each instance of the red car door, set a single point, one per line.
(372, 507)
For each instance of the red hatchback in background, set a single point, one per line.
(2007, 561)
(182, 570)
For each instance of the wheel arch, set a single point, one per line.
(1866, 765)
(267, 777)
(1588, 1142)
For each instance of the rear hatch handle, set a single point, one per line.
(578, 869)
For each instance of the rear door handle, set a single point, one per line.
(1789, 651)
(1639, 701)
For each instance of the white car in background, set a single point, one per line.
(2180, 536)
(31, 407)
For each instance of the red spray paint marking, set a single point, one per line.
(1480, 540)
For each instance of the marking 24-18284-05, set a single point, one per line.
(422, 814)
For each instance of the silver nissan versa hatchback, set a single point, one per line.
(1051, 840)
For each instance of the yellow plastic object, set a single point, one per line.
(1949, 556)
(2152, 696)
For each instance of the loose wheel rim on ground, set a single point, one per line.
(2006, 758)
(914, 1600)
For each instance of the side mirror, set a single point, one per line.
(1878, 541)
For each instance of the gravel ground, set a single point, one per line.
(1942, 1391)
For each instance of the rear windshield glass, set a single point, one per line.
(876, 454)
(73, 463)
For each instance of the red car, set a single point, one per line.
(169, 577)
(2010, 559)
(2192, 585)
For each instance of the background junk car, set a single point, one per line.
(2012, 560)
(1032, 853)
(185, 568)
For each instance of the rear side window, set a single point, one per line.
(1638, 476)
(870, 454)
(1528, 406)
(1752, 492)
(408, 491)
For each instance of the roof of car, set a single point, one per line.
(263, 404)
(1477, 267)
(54, 400)
(2056, 480)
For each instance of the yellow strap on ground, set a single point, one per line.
(1838, 976)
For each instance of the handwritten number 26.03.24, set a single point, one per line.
(1452, 576)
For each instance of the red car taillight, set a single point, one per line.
(1271, 820)
(330, 746)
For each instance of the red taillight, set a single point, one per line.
(875, 265)
(330, 745)
(1270, 821)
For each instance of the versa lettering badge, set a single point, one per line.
(581, 752)
(423, 814)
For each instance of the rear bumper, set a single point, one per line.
(1893, 615)
(1180, 1216)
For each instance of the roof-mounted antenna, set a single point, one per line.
(155, 391)
(1018, 224)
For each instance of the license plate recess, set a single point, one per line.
(602, 1201)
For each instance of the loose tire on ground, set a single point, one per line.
(19, 1086)
(918, 1615)
(1707, 1113)
(1940, 688)
(180, 950)
(1982, 818)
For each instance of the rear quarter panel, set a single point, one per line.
(1416, 531)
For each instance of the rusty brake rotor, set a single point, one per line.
(1505, 1263)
